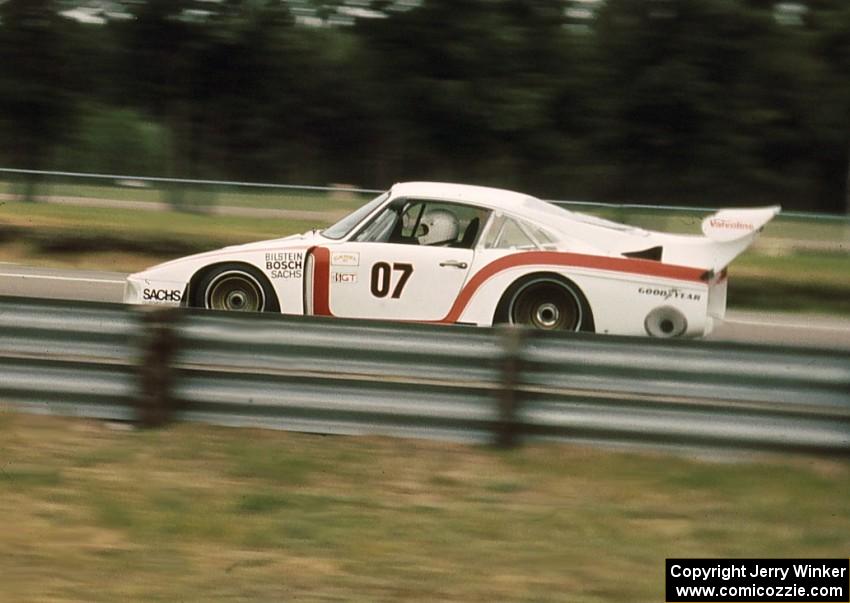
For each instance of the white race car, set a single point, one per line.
(451, 253)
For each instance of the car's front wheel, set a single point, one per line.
(235, 288)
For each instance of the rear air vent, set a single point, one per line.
(653, 253)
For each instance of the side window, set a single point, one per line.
(411, 220)
(385, 226)
(379, 229)
(450, 225)
(506, 233)
(509, 233)
(424, 222)
(544, 239)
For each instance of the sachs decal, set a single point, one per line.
(162, 295)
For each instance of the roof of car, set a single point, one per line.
(543, 213)
(494, 198)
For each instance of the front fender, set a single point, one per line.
(160, 285)
(169, 283)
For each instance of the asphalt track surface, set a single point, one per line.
(748, 327)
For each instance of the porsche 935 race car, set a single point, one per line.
(451, 253)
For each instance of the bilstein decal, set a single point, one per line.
(287, 264)
(667, 294)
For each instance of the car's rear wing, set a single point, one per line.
(731, 231)
(727, 233)
(733, 224)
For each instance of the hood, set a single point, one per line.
(310, 238)
(178, 267)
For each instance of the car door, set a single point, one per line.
(409, 262)
(395, 281)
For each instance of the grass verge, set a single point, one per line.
(197, 513)
(199, 196)
(123, 239)
(805, 281)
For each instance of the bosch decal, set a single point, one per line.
(349, 258)
(285, 265)
(162, 295)
(667, 294)
(345, 277)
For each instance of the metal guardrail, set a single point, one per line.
(190, 181)
(460, 383)
(75, 359)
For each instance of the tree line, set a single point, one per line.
(707, 102)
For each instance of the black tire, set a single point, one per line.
(547, 302)
(233, 287)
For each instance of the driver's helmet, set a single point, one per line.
(438, 226)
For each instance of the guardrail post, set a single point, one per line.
(155, 402)
(511, 340)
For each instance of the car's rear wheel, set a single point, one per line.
(235, 288)
(547, 303)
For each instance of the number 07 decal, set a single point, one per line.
(381, 276)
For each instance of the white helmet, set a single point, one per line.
(438, 226)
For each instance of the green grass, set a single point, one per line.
(24, 478)
(800, 281)
(202, 195)
(805, 267)
(123, 239)
(193, 513)
(126, 223)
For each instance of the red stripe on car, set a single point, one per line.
(321, 281)
(573, 260)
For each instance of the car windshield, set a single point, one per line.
(345, 226)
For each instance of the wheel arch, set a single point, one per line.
(253, 270)
(500, 314)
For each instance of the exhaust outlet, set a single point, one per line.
(665, 322)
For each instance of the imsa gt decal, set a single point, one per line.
(345, 277)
